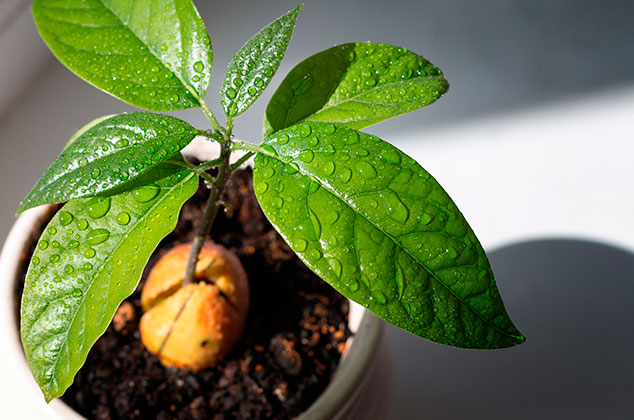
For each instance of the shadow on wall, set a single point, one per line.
(573, 301)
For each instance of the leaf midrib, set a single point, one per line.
(189, 88)
(397, 243)
(62, 177)
(83, 299)
(353, 99)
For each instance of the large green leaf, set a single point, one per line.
(251, 70)
(356, 85)
(110, 154)
(375, 225)
(154, 54)
(90, 258)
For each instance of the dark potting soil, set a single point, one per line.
(293, 340)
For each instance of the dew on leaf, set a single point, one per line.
(68, 269)
(366, 170)
(43, 244)
(82, 224)
(97, 207)
(146, 193)
(231, 93)
(97, 236)
(77, 293)
(65, 217)
(123, 218)
(351, 138)
(300, 245)
(307, 156)
(199, 66)
(305, 130)
(51, 230)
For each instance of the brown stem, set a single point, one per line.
(211, 210)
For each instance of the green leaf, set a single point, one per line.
(90, 258)
(376, 226)
(152, 54)
(251, 70)
(110, 154)
(356, 85)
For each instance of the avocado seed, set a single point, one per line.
(205, 317)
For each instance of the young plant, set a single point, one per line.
(359, 212)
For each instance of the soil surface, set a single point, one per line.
(293, 340)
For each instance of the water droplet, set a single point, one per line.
(199, 66)
(97, 236)
(328, 168)
(305, 130)
(231, 93)
(261, 187)
(329, 129)
(282, 139)
(314, 254)
(122, 143)
(366, 170)
(398, 210)
(89, 253)
(123, 218)
(83, 162)
(313, 142)
(65, 218)
(82, 224)
(258, 82)
(425, 218)
(146, 193)
(51, 230)
(55, 244)
(68, 269)
(43, 245)
(54, 258)
(35, 261)
(87, 266)
(380, 297)
(73, 244)
(335, 267)
(300, 245)
(353, 285)
(174, 98)
(344, 175)
(95, 173)
(306, 156)
(97, 207)
(351, 138)
(252, 91)
(77, 293)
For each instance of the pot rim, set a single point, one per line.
(341, 392)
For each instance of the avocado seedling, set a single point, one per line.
(359, 212)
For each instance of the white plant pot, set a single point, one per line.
(360, 389)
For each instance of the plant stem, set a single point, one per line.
(212, 120)
(211, 210)
(209, 215)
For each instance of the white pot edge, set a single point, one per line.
(345, 393)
